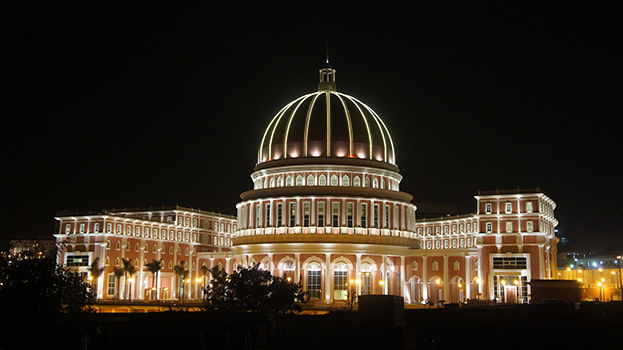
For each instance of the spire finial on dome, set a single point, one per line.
(327, 77)
(327, 50)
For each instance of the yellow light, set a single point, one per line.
(154, 288)
(352, 281)
(478, 280)
(599, 284)
(198, 280)
(460, 285)
(438, 281)
(600, 269)
(503, 282)
(381, 282)
(289, 279)
(131, 280)
(568, 269)
(603, 280)
(579, 280)
(358, 281)
(580, 271)
(614, 273)
(516, 282)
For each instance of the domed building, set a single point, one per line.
(326, 206)
(326, 211)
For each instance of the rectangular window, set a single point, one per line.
(109, 228)
(194, 222)
(82, 228)
(77, 260)
(147, 232)
(110, 290)
(340, 283)
(306, 214)
(349, 214)
(387, 216)
(528, 207)
(96, 227)
(364, 215)
(279, 211)
(314, 283)
(267, 215)
(320, 214)
(488, 208)
(376, 216)
(509, 226)
(509, 208)
(67, 228)
(529, 226)
(510, 263)
(489, 227)
(336, 214)
(292, 214)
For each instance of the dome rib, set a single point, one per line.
(307, 120)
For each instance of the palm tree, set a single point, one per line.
(131, 271)
(127, 263)
(182, 273)
(96, 271)
(154, 267)
(118, 273)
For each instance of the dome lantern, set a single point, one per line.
(327, 79)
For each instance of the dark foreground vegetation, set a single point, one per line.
(543, 327)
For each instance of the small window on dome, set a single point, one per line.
(356, 181)
(375, 183)
(299, 180)
(334, 181)
(322, 180)
(272, 182)
(310, 180)
(289, 181)
(345, 181)
(366, 182)
(280, 181)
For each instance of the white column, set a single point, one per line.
(403, 270)
(425, 278)
(270, 264)
(468, 278)
(100, 285)
(327, 275)
(384, 272)
(357, 271)
(446, 276)
(297, 273)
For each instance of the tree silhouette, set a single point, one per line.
(96, 272)
(154, 267)
(182, 274)
(252, 289)
(118, 274)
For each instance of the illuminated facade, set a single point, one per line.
(326, 210)
(174, 234)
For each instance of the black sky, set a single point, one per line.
(118, 105)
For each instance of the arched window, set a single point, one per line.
(375, 183)
(435, 266)
(107, 261)
(155, 248)
(170, 264)
(186, 251)
(314, 280)
(322, 180)
(299, 180)
(136, 247)
(135, 262)
(345, 180)
(366, 182)
(340, 281)
(356, 181)
(382, 184)
(334, 180)
(108, 244)
(280, 181)
(117, 261)
(457, 266)
(118, 245)
(288, 266)
(266, 182)
(415, 265)
(289, 181)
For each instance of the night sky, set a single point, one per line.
(118, 105)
